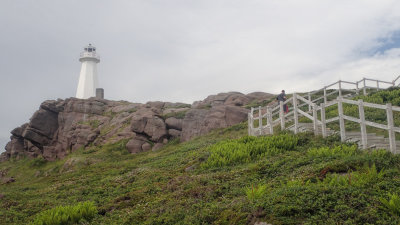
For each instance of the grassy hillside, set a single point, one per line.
(221, 178)
(224, 177)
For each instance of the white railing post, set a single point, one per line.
(357, 89)
(364, 88)
(295, 114)
(323, 120)
(392, 136)
(364, 140)
(249, 124)
(269, 119)
(309, 99)
(341, 120)
(377, 85)
(325, 99)
(252, 121)
(259, 121)
(340, 88)
(315, 119)
(281, 115)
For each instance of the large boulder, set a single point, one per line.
(174, 133)
(201, 121)
(174, 123)
(135, 145)
(155, 128)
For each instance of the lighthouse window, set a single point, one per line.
(89, 50)
(85, 49)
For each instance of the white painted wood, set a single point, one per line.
(390, 124)
(289, 114)
(333, 102)
(259, 120)
(362, 124)
(350, 118)
(333, 92)
(305, 114)
(281, 115)
(309, 99)
(341, 120)
(364, 87)
(303, 99)
(396, 108)
(332, 119)
(295, 114)
(349, 101)
(348, 82)
(315, 118)
(357, 89)
(377, 125)
(377, 85)
(249, 128)
(271, 123)
(377, 106)
(323, 121)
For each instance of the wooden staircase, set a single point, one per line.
(374, 141)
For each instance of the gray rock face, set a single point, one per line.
(174, 133)
(201, 121)
(61, 126)
(135, 145)
(155, 128)
(174, 123)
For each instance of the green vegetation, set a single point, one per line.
(224, 177)
(178, 115)
(393, 204)
(177, 106)
(67, 214)
(337, 151)
(92, 123)
(247, 149)
(256, 192)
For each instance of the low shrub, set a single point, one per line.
(368, 175)
(339, 151)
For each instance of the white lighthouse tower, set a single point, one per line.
(88, 77)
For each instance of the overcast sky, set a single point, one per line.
(186, 50)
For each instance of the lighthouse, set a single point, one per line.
(88, 82)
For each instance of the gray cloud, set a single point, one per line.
(186, 50)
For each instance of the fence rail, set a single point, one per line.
(297, 101)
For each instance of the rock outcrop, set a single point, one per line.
(62, 126)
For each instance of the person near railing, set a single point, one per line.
(281, 98)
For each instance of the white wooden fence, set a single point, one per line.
(307, 107)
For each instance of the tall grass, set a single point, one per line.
(255, 192)
(64, 215)
(393, 204)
